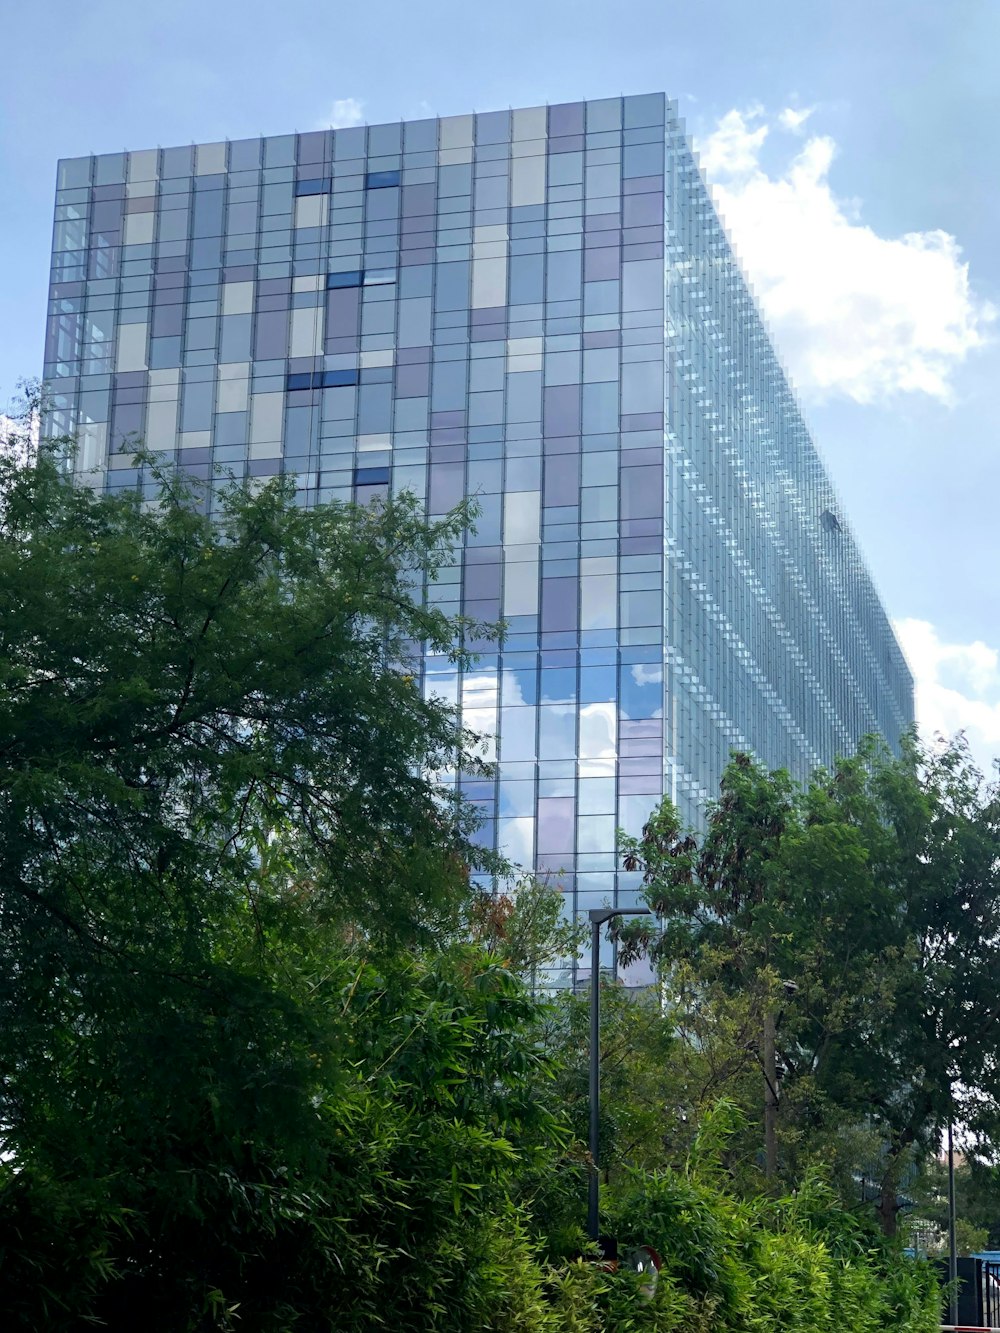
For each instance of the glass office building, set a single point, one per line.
(540, 308)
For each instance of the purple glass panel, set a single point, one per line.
(643, 184)
(555, 824)
(416, 223)
(643, 421)
(343, 311)
(271, 336)
(562, 410)
(447, 419)
(413, 381)
(408, 356)
(641, 545)
(313, 147)
(643, 210)
(106, 218)
(566, 118)
(420, 240)
(647, 745)
(164, 281)
(559, 604)
(447, 483)
(637, 728)
(562, 480)
(446, 453)
(641, 527)
(649, 250)
(602, 240)
(482, 581)
(487, 609)
(601, 263)
(635, 768)
(168, 320)
(601, 338)
(641, 492)
(128, 419)
(483, 555)
(597, 222)
(635, 235)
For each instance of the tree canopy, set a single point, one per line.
(269, 1060)
(864, 910)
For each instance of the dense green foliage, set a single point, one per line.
(862, 914)
(254, 1074)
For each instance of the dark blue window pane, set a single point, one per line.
(379, 180)
(315, 186)
(300, 381)
(350, 279)
(338, 379)
(371, 476)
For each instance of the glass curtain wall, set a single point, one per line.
(538, 308)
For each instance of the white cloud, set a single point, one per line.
(733, 148)
(792, 119)
(345, 112)
(644, 674)
(855, 313)
(957, 688)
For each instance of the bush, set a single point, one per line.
(795, 1265)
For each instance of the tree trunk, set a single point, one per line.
(887, 1208)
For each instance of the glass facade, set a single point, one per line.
(539, 308)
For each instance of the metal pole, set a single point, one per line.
(952, 1240)
(598, 916)
(593, 1183)
(770, 1097)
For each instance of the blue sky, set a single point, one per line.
(853, 146)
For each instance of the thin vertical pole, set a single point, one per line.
(598, 917)
(770, 1097)
(952, 1240)
(593, 1181)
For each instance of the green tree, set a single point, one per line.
(251, 1077)
(861, 918)
(215, 781)
(528, 927)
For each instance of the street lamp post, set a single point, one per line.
(598, 917)
(952, 1238)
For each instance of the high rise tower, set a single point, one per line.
(538, 307)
